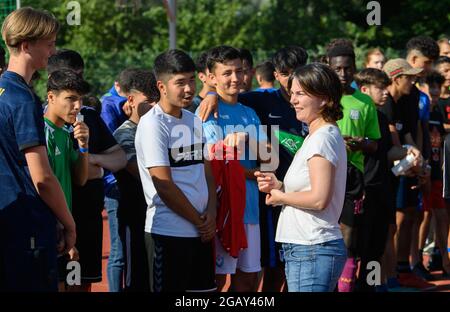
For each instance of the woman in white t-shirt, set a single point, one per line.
(313, 190)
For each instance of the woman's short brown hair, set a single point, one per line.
(319, 80)
(27, 24)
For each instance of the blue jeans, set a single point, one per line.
(314, 268)
(116, 261)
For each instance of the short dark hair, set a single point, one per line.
(372, 76)
(246, 55)
(433, 77)
(339, 42)
(265, 70)
(442, 60)
(143, 81)
(320, 80)
(425, 45)
(92, 101)
(343, 49)
(125, 78)
(201, 62)
(64, 58)
(289, 58)
(67, 80)
(173, 62)
(222, 54)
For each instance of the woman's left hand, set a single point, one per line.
(274, 198)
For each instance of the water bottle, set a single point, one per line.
(80, 117)
(403, 165)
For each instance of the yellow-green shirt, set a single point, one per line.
(360, 120)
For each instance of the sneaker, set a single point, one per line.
(428, 250)
(435, 263)
(421, 271)
(412, 280)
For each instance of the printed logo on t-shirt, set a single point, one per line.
(274, 116)
(354, 114)
(186, 155)
(289, 141)
(57, 151)
(436, 143)
(224, 116)
(398, 126)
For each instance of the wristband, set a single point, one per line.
(83, 150)
(211, 93)
(281, 186)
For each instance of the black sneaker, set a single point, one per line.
(435, 263)
(421, 271)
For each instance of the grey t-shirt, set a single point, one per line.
(125, 136)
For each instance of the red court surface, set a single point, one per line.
(442, 285)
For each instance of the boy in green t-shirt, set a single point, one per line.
(360, 130)
(64, 90)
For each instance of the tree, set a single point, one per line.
(114, 35)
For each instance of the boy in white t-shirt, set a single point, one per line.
(177, 181)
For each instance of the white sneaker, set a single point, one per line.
(428, 250)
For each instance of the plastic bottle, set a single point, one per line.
(80, 117)
(403, 165)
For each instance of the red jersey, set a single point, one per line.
(229, 176)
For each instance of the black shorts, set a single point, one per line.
(354, 191)
(405, 196)
(183, 264)
(88, 203)
(375, 221)
(271, 251)
(62, 267)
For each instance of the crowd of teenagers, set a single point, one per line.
(230, 188)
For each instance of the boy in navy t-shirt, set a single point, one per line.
(30, 195)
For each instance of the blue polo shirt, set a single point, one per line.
(24, 217)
